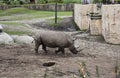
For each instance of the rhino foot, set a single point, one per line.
(56, 51)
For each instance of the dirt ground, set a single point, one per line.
(20, 60)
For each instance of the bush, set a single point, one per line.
(21, 2)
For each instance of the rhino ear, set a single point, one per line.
(33, 41)
(74, 38)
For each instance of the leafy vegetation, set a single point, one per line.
(83, 71)
(17, 2)
(21, 2)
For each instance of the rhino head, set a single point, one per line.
(73, 49)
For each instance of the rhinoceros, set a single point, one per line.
(54, 39)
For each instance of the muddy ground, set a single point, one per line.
(20, 60)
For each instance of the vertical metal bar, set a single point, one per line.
(56, 12)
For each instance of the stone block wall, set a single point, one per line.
(80, 15)
(95, 27)
(111, 23)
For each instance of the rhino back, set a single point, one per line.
(55, 39)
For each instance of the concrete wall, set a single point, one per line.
(42, 7)
(80, 15)
(108, 26)
(111, 23)
(95, 27)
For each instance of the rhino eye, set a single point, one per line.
(74, 40)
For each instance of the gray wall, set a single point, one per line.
(43, 7)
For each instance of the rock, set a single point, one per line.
(22, 39)
(5, 38)
(1, 28)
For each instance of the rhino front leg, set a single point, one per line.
(37, 46)
(60, 49)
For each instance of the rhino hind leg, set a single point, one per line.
(44, 48)
(56, 51)
(60, 49)
(63, 51)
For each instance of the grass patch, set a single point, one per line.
(14, 11)
(53, 24)
(24, 13)
(12, 23)
(52, 21)
(15, 28)
(67, 13)
(17, 32)
(1, 11)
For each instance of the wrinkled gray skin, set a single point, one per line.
(54, 39)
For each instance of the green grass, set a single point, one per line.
(1, 11)
(64, 1)
(12, 23)
(64, 13)
(53, 24)
(15, 28)
(53, 19)
(13, 11)
(16, 32)
(72, 1)
(24, 14)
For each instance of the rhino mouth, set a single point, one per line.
(73, 50)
